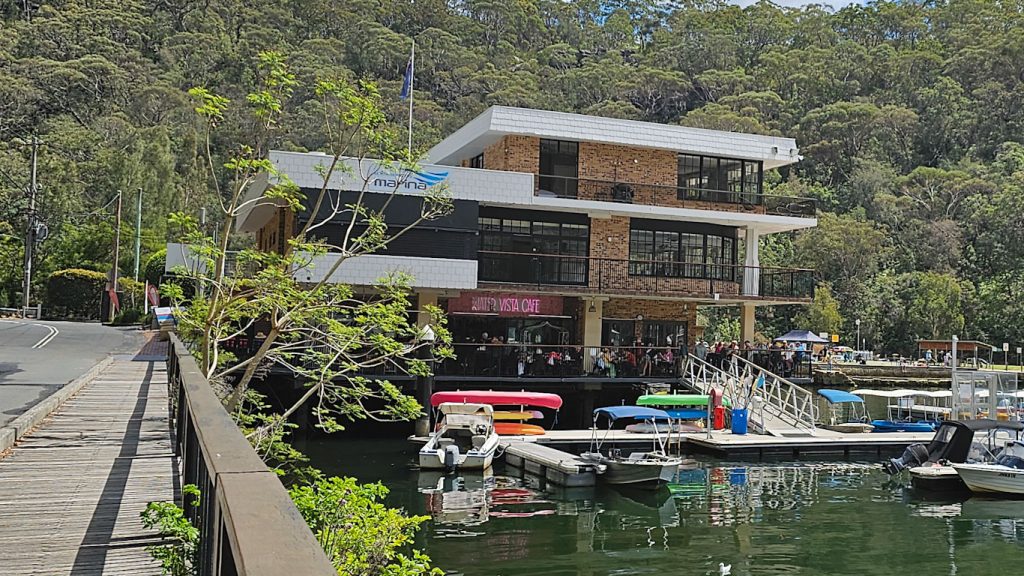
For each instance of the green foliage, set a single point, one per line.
(179, 556)
(74, 293)
(153, 272)
(361, 536)
(822, 315)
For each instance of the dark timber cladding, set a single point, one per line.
(452, 236)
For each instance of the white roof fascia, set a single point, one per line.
(499, 121)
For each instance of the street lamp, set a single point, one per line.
(857, 322)
(425, 384)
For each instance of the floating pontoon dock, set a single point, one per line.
(553, 464)
(823, 445)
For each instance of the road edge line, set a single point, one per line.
(24, 423)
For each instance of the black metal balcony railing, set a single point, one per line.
(668, 278)
(522, 360)
(656, 195)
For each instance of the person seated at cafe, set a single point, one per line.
(606, 363)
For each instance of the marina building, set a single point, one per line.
(571, 237)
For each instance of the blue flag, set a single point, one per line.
(407, 81)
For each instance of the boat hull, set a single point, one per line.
(891, 426)
(992, 478)
(640, 473)
(850, 427)
(936, 479)
(434, 460)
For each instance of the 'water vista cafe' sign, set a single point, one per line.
(503, 304)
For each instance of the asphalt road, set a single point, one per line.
(37, 357)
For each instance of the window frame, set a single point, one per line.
(715, 185)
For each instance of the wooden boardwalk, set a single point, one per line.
(71, 491)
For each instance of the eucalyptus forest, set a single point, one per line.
(909, 117)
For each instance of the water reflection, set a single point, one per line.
(766, 519)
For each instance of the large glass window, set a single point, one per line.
(533, 251)
(718, 179)
(681, 254)
(559, 165)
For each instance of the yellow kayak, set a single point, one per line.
(517, 416)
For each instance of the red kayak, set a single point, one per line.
(498, 398)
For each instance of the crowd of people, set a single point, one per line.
(782, 358)
(492, 356)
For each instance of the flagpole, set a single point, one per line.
(412, 81)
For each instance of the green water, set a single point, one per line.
(806, 518)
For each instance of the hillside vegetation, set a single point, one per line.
(909, 115)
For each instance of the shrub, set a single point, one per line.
(132, 292)
(128, 317)
(155, 264)
(75, 293)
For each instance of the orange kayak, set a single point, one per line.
(517, 429)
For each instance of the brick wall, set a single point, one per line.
(628, 308)
(608, 163)
(269, 237)
(514, 154)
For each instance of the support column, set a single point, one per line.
(593, 311)
(425, 298)
(752, 263)
(425, 384)
(747, 322)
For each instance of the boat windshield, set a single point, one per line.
(467, 422)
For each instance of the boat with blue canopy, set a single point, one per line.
(640, 469)
(847, 412)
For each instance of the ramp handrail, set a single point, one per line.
(248, 524)
(779, 397)
(776, 397)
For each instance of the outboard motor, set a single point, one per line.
(451, 458)
(914, 455)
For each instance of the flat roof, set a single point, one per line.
(499, 121)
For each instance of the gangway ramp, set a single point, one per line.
(556, 466)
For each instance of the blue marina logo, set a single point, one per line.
(409, 180)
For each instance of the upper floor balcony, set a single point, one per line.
(634, 277)
(673, 196)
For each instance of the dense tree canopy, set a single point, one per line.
(909, 115)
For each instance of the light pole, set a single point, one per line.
(857, 322)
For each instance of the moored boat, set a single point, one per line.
(513, 421)
(465, 438)
(640, 469)
(960, 441)
(899, 414)
(1004, 476)
(847, 412)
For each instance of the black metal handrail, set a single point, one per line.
(662, 195)
(536, 360)
(248, 524)
(644, 276)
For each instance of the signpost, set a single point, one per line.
(1006, 351)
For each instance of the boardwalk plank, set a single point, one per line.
(73, 489)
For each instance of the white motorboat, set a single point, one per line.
(955, 442)
(640, 469)
(465, 438)
(1004, 476)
